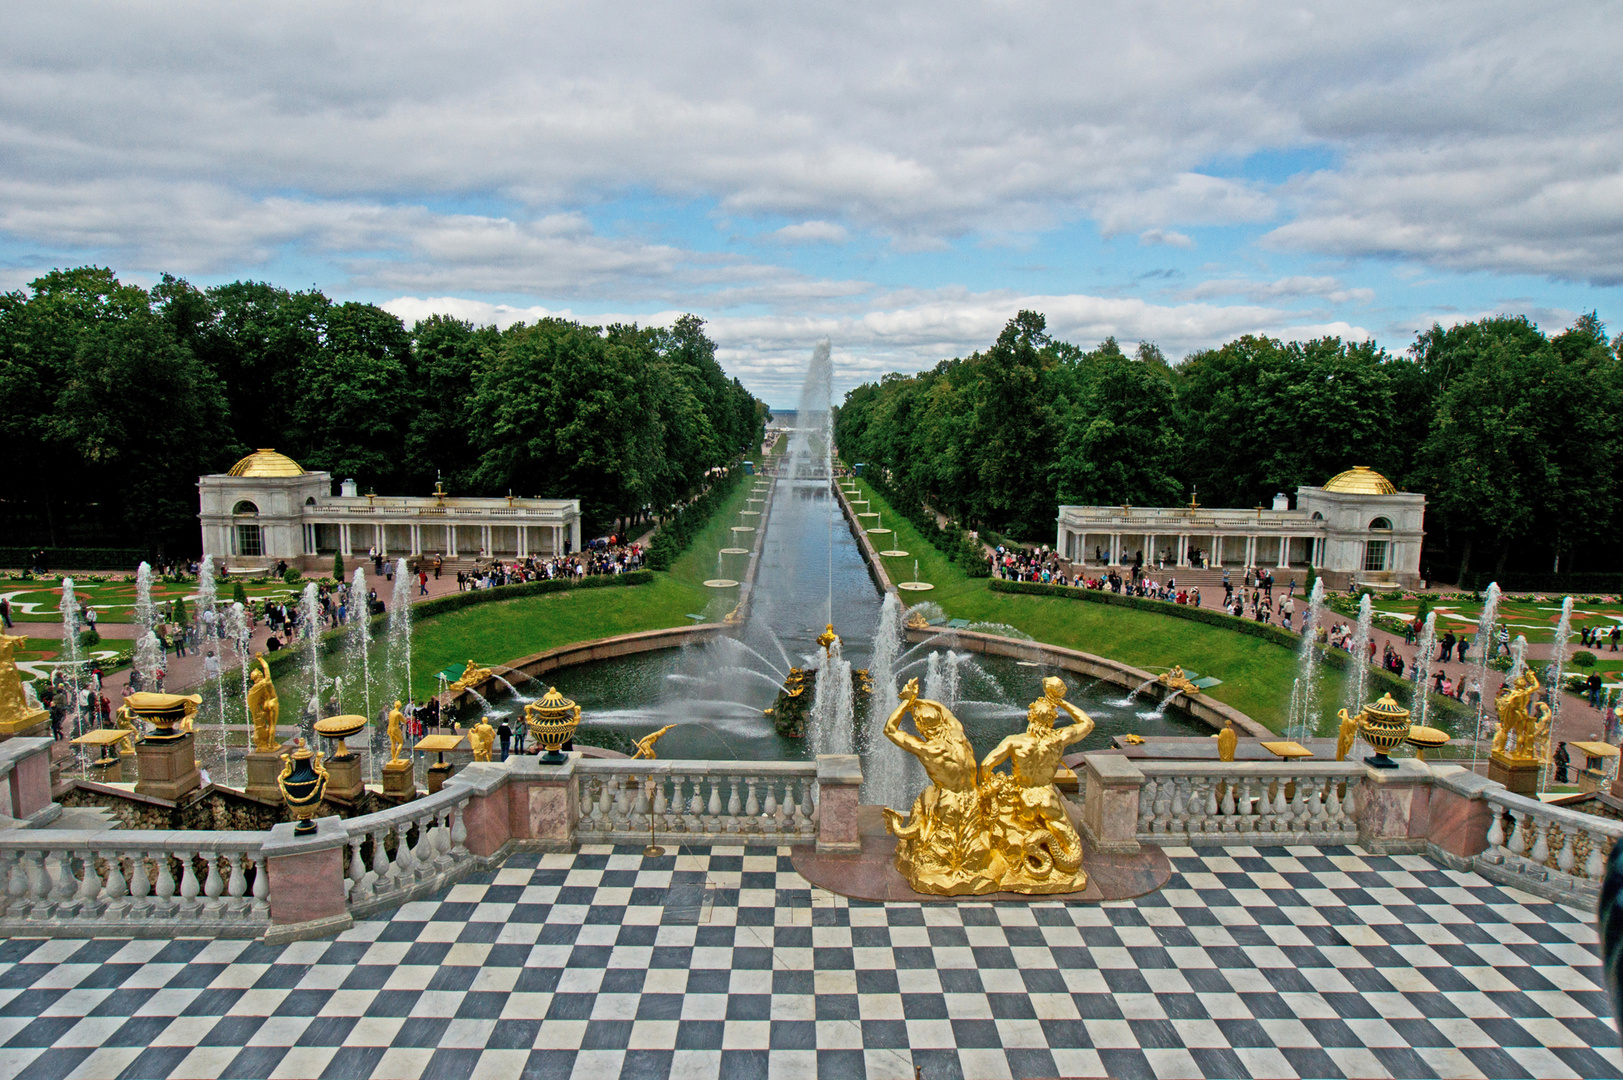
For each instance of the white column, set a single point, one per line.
(1115, 549)
(416, 539)
(1251, 550)
(574, 533)
(485, 541)
(343, 540)
(380, 529)
(523, 541)
(450, 540)
(1284, 552)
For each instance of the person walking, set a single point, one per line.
(1561, 760)
(1594, 683)
(5, 611)
(505, 734)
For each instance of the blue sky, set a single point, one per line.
(899, 180)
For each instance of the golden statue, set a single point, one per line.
(16, 713)
(482, 738)
(471, 674)
(1228, 740)
(945, 846)
(645, 745)
(1345, 735)
(1042, 852)
(264, 707)
(827, 638)
(1524, 732)
(397, 733)
(916, 620)
(126, 722)
(1177, 680)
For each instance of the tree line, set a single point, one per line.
(115, 398)
(1512, 434)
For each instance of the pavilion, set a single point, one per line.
(269, 508)
(1357, 527)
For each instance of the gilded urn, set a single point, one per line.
(303, 782)
(552, 722)
(339, 728)
(163, 712)
(1383, 724)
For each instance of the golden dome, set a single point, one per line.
(1360, 480)
(266, 462)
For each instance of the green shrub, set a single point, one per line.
(292, 576)
(75, 558)
(338, 566)
(89, 638)
(1583, 659)
(239, 594)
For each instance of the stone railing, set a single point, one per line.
(81, 883)
(407, 851)
(1546, 848)
(702, 802)
(1215, 802)
(25, 781)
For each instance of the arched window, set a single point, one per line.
(1381, 523)
(310, 501)
(245, 507)
(1317, 516)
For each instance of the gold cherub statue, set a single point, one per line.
(645, 745)
(1524, 731)
(471, 674)
(397, 733)
(482, 738)
(264, 707)
(1042, 852)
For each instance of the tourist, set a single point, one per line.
(1504, 642)
(1561, 760)
(1448, 647)
(1594, 683)
(422, 581)
(211, 665)
(1463, 644)
(5, 611)
(1617, 632)
(505, 733)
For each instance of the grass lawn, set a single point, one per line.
(1256, 674)
(1534, 618)
(114, 601)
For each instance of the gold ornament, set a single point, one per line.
(645, 745)
(264, 707)
(471, 675)
(1346, 734)
(481, 738)
(397, 733)
(1228, 741)
(552, 721)
(1524, 731)
(1177, 680)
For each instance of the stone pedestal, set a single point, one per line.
(264, 766)
(398, 782)
(166, 768)
(839, 782)
(1517, 775)
(1110, 803)
(437, 776)
(1394, 808)
(107, 770)
(31, 724)
(344, 780)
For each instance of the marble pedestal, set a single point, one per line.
(398, 782)
(437, 776)
(344, 780)
(1517, 775)
(166, 768)
(107, 770)
(30, 723)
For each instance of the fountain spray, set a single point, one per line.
(1304, 708)
(1484, 649)
(146, 658)
(310, 626)
(883, 774)
(1558, 671)
(69, 608)
(1425, 654)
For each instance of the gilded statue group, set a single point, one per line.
(1524, 725)
(975, 830)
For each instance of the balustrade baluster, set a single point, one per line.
(403, 862)
(1318, 817)
(39, 887)
(678, 804)
(16, 881)
(189, 904)
(213, 888)
(1298, 809)
(1332, 807)
(1248, 808)
(624, 803)
(1520, 841)
(713, 808)
(1178, 818)
(769, 812)
(803, 808)
(1567, 857)
(140, 886)
(752, 805)
(63, 883)
(261, 904)
(1163, 805)
(380, 861)
(735, 805)
(163, 893)
(236, 886)
(89, 888)
(1541, 839)
(1146, 805)
(459, 832)
(426, 850)
(1211, 824)
(1496, 830)
(658, 818)
(1229, 822)
(1595, 864)
(360, 887)
(114, 890)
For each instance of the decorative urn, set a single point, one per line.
(163, 712)
(303, 782)
(339, 728)
(552, 722)
(1384, 724)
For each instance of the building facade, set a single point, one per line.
(1356, 528)
(268, 508)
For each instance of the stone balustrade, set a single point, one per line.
(702, 802)
(1207, 802)
(81, 883)
(1547, 849)
(407, 851)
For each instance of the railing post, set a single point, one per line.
(839, 782)
(1110, 803)
(1394, 808)
(1462, 819)
(544, 802)
(306, 878)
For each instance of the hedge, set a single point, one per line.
(75, 558)
(332, 640)
(678, 534)
(1379, 678)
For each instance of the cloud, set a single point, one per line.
(1152, 237)
(1326, 288)
(812, 232)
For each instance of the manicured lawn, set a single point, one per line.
(114, 601)
(1534, 618)
(1256, 674)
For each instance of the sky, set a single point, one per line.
(898, 178)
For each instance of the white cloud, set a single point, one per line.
(1326, 288)
(1152, 237)
(812, 232)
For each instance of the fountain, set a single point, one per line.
(310, 627)
(1304, 707)
(73, 659)
(1484, 651)
(884, 766)
(358, 646)
(146, 659)
(1558, 669)
(1358, 672)
(1425, 654)
(832, 711)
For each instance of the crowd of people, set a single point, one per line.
(610, 555)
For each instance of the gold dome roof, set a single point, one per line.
(1360, 480)
(266, 462)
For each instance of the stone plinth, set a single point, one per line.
(108, 770)
(437, 776)
(306, 882)
(1394, 808)
(344, 780)
(1516, 774)
(1110, 803)
(398, 782)
(29, 724)
(1592, 780)
(166, 768)
(839, 782)
(1460, 814)
(264, 766)
(544, 803)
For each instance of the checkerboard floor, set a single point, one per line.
(723, 962)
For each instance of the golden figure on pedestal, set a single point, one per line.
(976, 830)
(1524, 725)
(16, 713)
(397, 733)
(482, 739)
(471, 674)
(264, 707)
(1345, 735)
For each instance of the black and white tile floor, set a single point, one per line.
(1276, 962)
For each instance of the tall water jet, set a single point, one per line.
(1558, 666)
(310, 627)
(399, 651)
(69, 608)
(147, 657)
(1425, 654)
(831, 711)
(810, 447)
(359, 640)
(1358, 672)
(1304, 709)
(235, 628)
(884, 771)
(942, 674)
(1518, 657)
(1484, 651)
